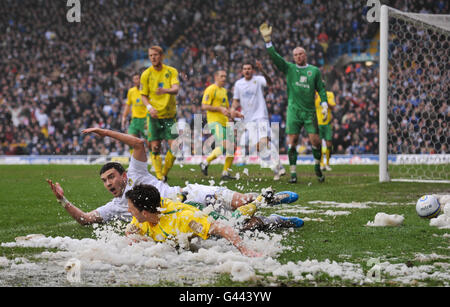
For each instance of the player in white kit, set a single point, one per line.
(249, 96)
(118, 181)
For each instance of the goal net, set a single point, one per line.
(414, 97)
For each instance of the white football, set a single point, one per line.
(428, 206)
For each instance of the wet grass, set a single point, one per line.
(28, 206)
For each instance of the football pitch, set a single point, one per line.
(335, 247)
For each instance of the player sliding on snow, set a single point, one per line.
(118, 181)
(162, 219)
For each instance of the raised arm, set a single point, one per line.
(278, 60)
(261, 69)
(79, 215)
(137, 144)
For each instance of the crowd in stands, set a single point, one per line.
(58, 78)
(419, 87)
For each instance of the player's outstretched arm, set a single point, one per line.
(265, 74)
(278, 60)
(137, 144)
(80, 216)
(227, 232)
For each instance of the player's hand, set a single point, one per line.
(161, 91)
(153, 113)
(56, 189)
(225, 111)
(259, 65)
(236, 114)
(131, 229)
(266, 32)
(96, 130)
(250, 253)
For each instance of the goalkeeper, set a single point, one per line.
(302, 80)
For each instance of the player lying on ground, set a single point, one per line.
(118, 181)
(165, 219)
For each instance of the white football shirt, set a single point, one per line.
(251, 98)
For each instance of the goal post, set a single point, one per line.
(414, 102)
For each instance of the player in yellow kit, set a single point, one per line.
(137, 108)
(215, 103)
(159, 87)
(325, 129)
(164, 219)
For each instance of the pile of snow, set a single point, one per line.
(442, 221)
(383, 219)
(109, 259)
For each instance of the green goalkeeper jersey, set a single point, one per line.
(302, 84)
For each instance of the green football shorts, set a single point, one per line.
(220, 132)
(326, 132)
(161, 129)
(295, 122)
(137, 126)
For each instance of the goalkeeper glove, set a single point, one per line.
(266, 32)
(324, 106)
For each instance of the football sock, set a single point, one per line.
(322, 155)
(247, 210)
(214, 154)
(157, 164)
(275, 157)
(293, 170)
(168, 162)
(316, 155)
(328, 154)
(292, 154)
(264, 155)
(228, 163)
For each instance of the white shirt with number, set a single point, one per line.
(251, 98)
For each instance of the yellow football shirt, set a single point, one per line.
(134, 99)
(216, 97)
(331, 102)
(151, 80)
(176, 218)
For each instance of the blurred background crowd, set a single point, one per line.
(58, 78)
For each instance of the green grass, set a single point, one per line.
(27, 206)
